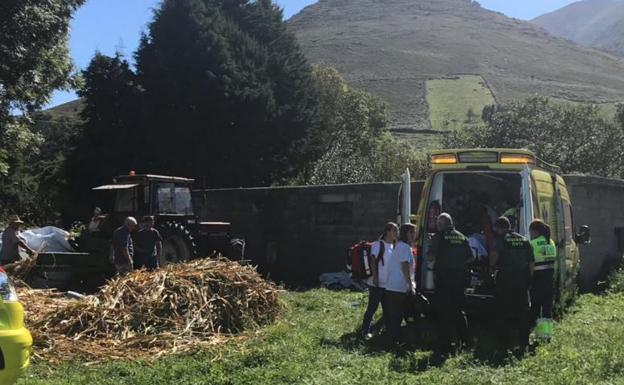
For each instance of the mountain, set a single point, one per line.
(425, 56)
(594, 23)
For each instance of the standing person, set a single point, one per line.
(381, 251)
(513, 261)
(148, 245)
(542, 288)
(123, 247)
(12, 241)
(400, 283)
(451, 253)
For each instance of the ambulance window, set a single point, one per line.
(567, 218)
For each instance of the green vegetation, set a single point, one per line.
(392, 48)
(575, 137)
(458, 101)
(607, 111)
(315, 344)
(34, 61)
(352, 144)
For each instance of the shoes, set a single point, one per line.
(368, 336)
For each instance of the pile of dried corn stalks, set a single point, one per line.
(148, 314)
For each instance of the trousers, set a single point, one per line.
(512, 310)
(450, 300)
(376, 297)
(542, 293)
(395, 302)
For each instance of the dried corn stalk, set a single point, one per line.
(148, 314)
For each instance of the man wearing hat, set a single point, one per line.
(11, 242)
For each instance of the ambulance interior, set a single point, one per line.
(475, 200)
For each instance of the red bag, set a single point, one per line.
(360, 260)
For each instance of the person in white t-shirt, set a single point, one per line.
(381, 251)
(401, 280)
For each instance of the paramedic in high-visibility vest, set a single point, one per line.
(542, 286)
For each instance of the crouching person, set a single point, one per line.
(381, 251)
(400, 283)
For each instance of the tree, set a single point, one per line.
(230, 91)
(352, 144)
(576, 138)
(34, 61)
(111, 140)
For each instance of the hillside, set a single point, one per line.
(393, 48)
(595, 23)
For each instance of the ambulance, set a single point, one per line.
(476, 186)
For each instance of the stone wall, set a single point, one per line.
(598, 202)
(296, 233)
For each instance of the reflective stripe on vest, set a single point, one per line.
(545, 252)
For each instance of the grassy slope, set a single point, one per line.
(595, 23)
(392, 48)
(450, 99)
(314, 344)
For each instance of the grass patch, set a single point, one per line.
(458, 101)
(606, 110)
(314, 344)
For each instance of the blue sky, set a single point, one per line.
(116, 25)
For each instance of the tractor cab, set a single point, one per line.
(156, 195)
(169, 200)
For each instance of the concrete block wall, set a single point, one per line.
(297, 233)
(599, 203)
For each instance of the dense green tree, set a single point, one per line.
(352, 144)
(228, 89)
(111, 140)
(222, 93)
(576, 138)
(34, 61)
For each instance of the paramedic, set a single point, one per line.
(542, 288)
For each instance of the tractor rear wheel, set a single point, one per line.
(178, 244)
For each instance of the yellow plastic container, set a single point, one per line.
(15, 339)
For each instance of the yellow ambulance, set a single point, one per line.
(476, 186)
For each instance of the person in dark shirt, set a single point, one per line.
(123, 247)
(451, 252)
(12, 241)
(148, 245)
(513, 261)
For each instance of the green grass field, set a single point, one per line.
(607, 110)
(314, 343)
(450, 100)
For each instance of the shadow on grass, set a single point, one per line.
(420, 351)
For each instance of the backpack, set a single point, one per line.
(359, 259)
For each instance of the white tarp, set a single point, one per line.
(341, 279)
(46, 239)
